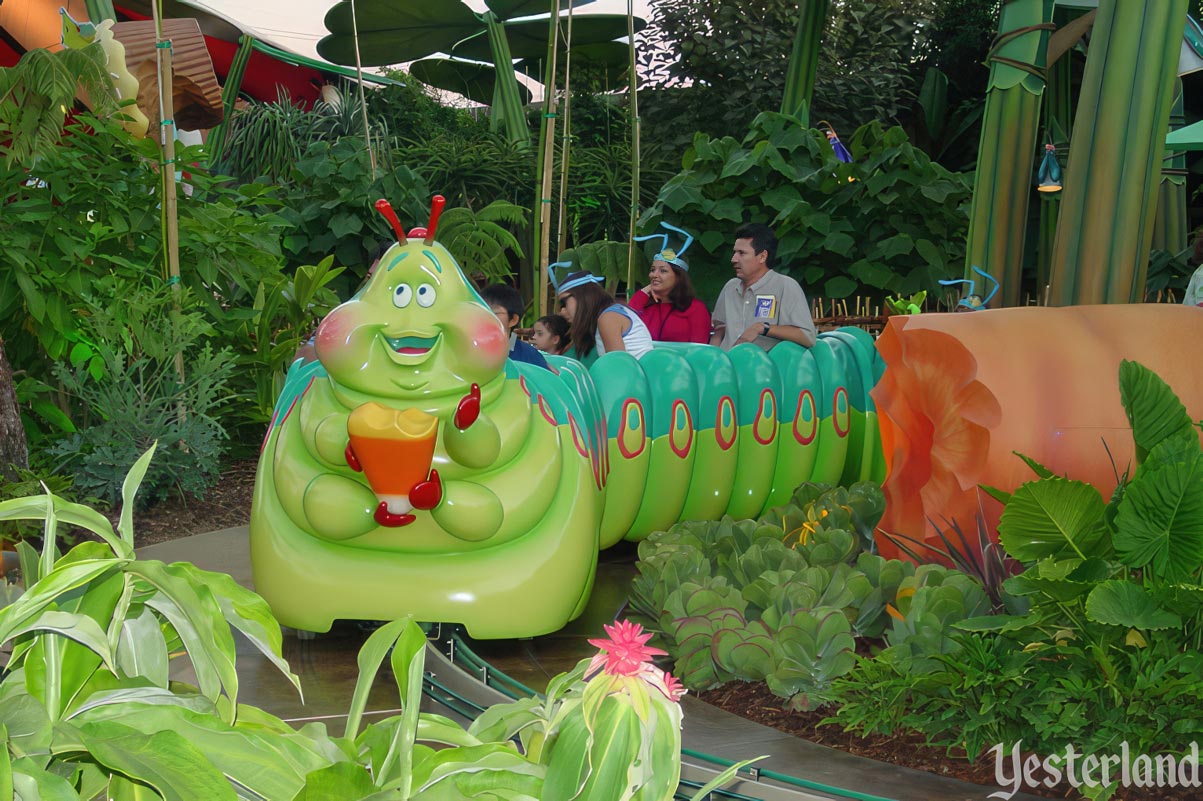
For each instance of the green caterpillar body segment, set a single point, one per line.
(415, 470)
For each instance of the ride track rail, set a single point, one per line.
(460, 682)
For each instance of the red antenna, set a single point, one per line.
(387, 212)
(436, 209)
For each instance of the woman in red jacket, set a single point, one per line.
(667, 305)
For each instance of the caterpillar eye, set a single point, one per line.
(426, 296)
(402, 296)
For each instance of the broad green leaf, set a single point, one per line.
(342, 781)
(32, 782)
(142, 649)
(1159, 522)
(271, 762)
(42, 507)
(58, 582)
(164, 760)
(197, 618)
(371, 655)
(80, 628)
(245, 611)
(1053, 517)
(1152, 407)
(528, 38)
(1122, 603)
(129, 491)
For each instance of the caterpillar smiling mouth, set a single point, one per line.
(411, 346)
(411, 349)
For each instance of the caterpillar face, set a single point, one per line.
(418, 329)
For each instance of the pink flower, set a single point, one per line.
(673, 687)
(626, 652)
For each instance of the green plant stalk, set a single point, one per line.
(633, 85)
(1058, 115)
(804, 59)
(507, 107)
(545, 164)
(229, 96)
(1171, 227)
(1007, 147)
(1101, 253)
(100, 10)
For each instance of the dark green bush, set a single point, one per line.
(891, 222)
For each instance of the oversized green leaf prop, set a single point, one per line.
(613, 57)
(1053, 517)
(1122, 603)
(392, 31)
(1153, 409)
(1160, 519)
(477, 82)
(528, 38)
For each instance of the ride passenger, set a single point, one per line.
(551, 334)
(759, 304)
(598, 323)
(506, 303)
(668, 305)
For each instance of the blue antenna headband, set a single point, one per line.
(666, 253)
(972, 287)
(573, 279)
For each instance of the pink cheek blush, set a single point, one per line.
(490, 342)
(334, 332)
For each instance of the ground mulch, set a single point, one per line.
(225, 505)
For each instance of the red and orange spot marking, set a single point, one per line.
(764, 427)
(632, 435)
(680, 436)
(725, 426)
(806, 418)
(841, 412)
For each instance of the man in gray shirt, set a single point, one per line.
(760, 305)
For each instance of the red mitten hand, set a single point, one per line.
(468, 409)
(386, 518)
(427, 494)
(352, 459)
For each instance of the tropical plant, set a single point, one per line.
(87, 708)
(124, 377)
(482, 241)
(783, 599)
(890, 221)
(264, 141)
(472, 168)
(1115, 624)
(36, 93)
(608, 260)
(327, 200)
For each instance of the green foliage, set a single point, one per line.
(472, 168)
(481, 240)
(892, 221)
(91, 220)
(411, 114)
(599, 191)
(734, 58)
(36, 93)
(782, 599)
(130, 396)
(283, 316)
(608, 259)
(264, 141)
(27, 482)
(88, 708)
(328, 201)
(1114, 624)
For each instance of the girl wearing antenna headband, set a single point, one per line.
(667, 305)
(596, 322)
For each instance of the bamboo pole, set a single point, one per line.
(170, 221)
(566, 138)
(1101, 252)
(363, 101)
(804, 59)
(545, 164)
(633, 84)
(1007, 148)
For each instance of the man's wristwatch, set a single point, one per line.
(765, 332)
